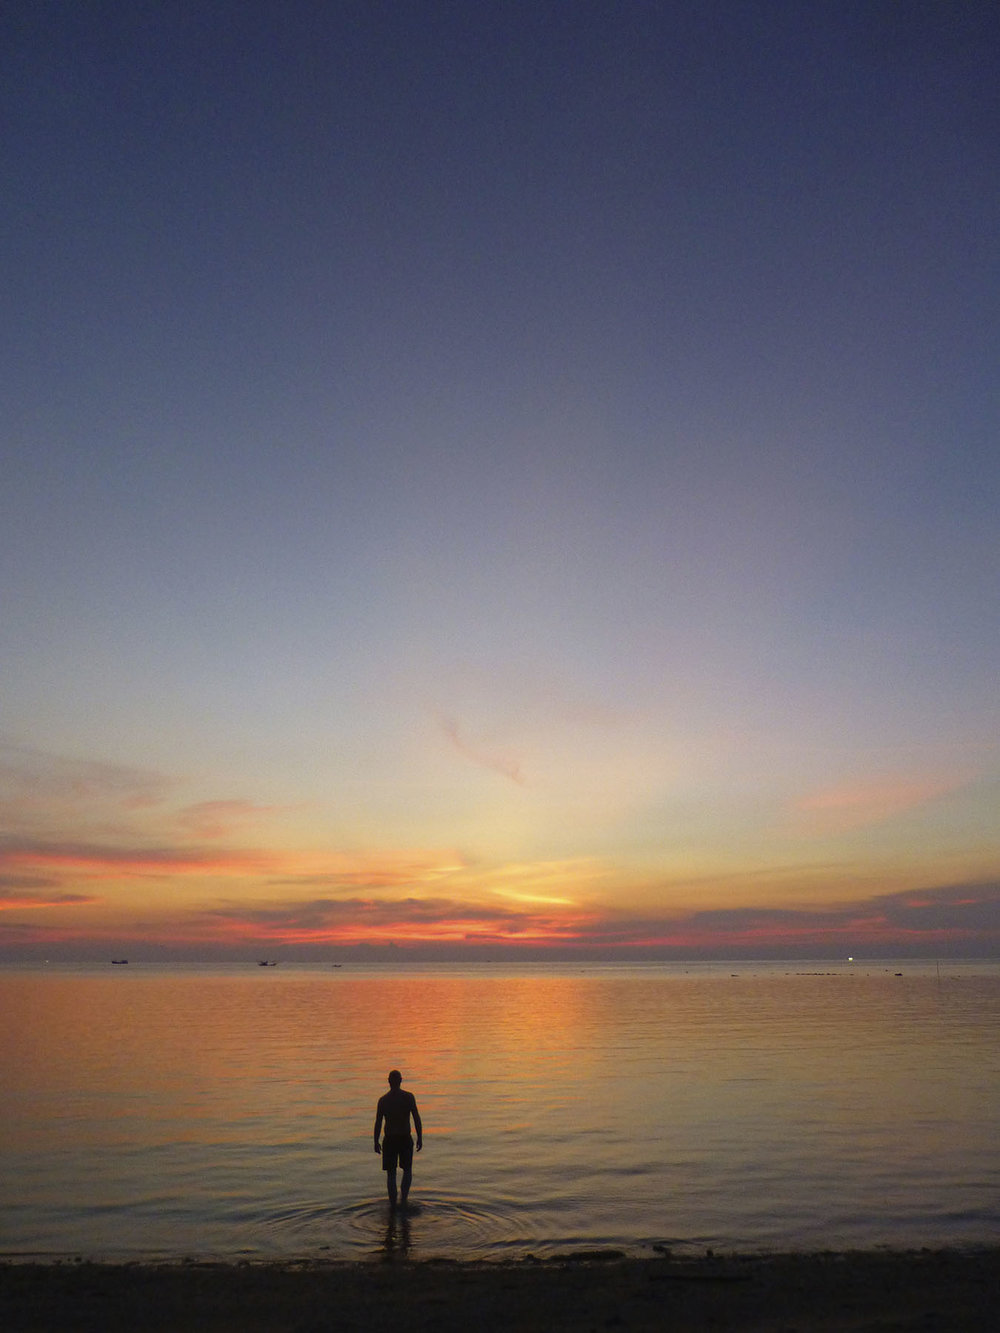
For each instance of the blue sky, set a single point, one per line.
(474, 451)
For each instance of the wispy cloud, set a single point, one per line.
(27, 882)
(11, 901)
(481, 752)
(869, 801)
(374, 872)
(126, 860)
(219, 819)
(32, 779)
(539, 899)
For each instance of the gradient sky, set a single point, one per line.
(499, 474)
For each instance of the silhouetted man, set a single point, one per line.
(395, 1107)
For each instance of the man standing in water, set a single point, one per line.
(395, 1107)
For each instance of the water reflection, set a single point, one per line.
(396, 1244)
(614, 1107)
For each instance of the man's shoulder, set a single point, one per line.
(396, 1097)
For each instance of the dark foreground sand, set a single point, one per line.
(953, 1291)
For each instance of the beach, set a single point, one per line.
(957, 1291)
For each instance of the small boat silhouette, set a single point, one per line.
(119, 962)
(266, 962)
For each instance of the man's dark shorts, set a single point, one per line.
(397, 1148)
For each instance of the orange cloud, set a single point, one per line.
(410, 920)
(12, 902)
(332, 871)
(99, 859)
(934, 917)
(948, 919)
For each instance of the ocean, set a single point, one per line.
(226, 1111)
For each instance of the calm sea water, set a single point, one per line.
(228, 1112)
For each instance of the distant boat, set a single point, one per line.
(266, 962)
(119, 962)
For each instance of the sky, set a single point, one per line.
(499, 480)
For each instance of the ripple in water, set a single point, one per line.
(433, 1224)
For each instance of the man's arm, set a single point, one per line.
(378, 1124)
(417, 1126)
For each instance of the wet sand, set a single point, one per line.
(949, 1290)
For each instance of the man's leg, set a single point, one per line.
(407, 1177)
(390, 1184)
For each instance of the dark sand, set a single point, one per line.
(953, 1291)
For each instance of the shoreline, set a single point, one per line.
(953, 1290)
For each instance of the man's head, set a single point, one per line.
(395, 1078)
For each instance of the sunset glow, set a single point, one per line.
(488, 485)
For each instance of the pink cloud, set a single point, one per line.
(481, 753)
(859, 804)
(216, 819)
